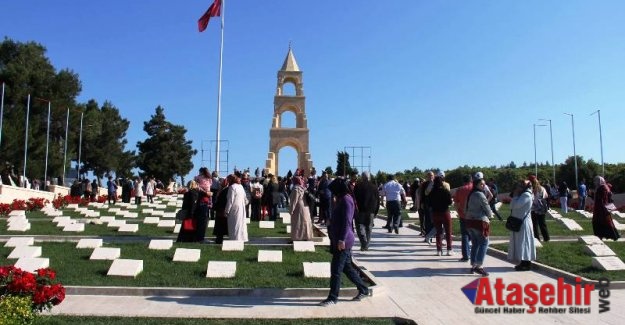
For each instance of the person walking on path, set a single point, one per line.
(150, 189)
(393, 192)
(440, 200)
(368, 203)
(138, 190)
(460, 202)
(257, 194)
(235, 210)
(582, 193)
(112, 190)
(301, 228)
(325, 197)
(341, 242)
(522, 249)
(564, 193)
(540, 205)
(602, 224)
(219, 207)
(478, 214)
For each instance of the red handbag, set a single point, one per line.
(188, 224)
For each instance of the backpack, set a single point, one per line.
(541, 206)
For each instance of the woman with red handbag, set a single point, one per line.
(189, 207)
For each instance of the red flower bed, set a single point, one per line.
(18, 205)
(39, 286)
(5, 208)
(35, 204)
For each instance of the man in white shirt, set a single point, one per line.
(394, 192)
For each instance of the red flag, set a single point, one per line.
(213, 11)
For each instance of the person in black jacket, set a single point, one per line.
(189, 205)
(368, 203)
(440, 200)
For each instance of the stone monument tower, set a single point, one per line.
(296, 137)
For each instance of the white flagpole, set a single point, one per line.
(1, 113)
(26, 138)
(45, 178)
(221, 52)
(65, 149)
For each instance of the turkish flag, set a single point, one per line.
(213, 11)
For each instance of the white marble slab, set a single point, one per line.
(618, 225)
(160, 206)
(232, 245)
(221, 269)
(16, 213)
(161, 244)
(570, 224)
(125, 267)
(19, 226)
(599, 250)
(590, 240)
(72, 206)
(266, 224)
(316, 269)
(166, 223)
(286, 219)
(186, 255)
(158, 213)
(269, 256)
(248, 221)
(177, 228)
(169, 215)
(75, 227)
(147, 211)
(288, 229)
(25, 251)
(537, 243)
(17, 219)
(303, 246)
(414, 215)
(116, 223)
(129, 227)
(32, 264)
(151, 220)
(608, 263)
(89, 243)
(20, 241)
(53, 213)
(105, 253)
(554, 214)
(61, 219)
(211, 223)
(107, 219)
(114, 210)
(65, 222)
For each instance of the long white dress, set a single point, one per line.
(522, 247)
(235, 213)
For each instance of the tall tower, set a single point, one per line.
(296, 137)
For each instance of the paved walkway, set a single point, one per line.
(416, 284)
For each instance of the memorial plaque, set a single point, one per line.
(19, 226)
(169, 215)
(129, 227)
(317, 269)
(186, 255)
(25, 251)
(269, 256)
(211, 223)
(74, 227)
(116, 223)
(288, 229)
(107, 219)
(32, 264)
(599, 250)
(105, 253)
(608, 263)
(17, 213)
(221, 269)
(590, 240)
(125, 267)
(89, 243)
(266, 224)
(286, 219)
(20, 241)
(166, 224)
(161, 244)
(303, 246)
(232, 245)
(570, 224)
(151, 220)
(177, 228)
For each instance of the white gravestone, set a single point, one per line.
(286, 219)
(288, 229)
(105, 253)
(129, 227)
(169, 215)
(16, 213)
(608, 263)
(414, 215)
(599, 250)
(166, 224)
(211, 223)
(125, 267)
(107, 219)
(32, 264)
(161, 244)
(232, 245)
(116, 223)
(25, 251)
(75, 227)
(537, 243)
(186, 255)
(316, 269)
(148, 211)
(158, 213)
(65, 222)
(89, 243)
(20, 241)
(61, 219)
(284, 214)
(590, 240)
(570, 224)
(177, 228)
(151, 220)
(266, 224)
(221, 269)
(269, 256)
(303, 246)
(19, 226)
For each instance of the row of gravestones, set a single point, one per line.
(617, 224)
(29, 257)
(603, 257)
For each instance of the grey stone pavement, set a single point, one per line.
(415, 284)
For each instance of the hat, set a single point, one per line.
(478, 175)
(441, 174)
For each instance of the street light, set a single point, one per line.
(598, 112)
(535, 160)
(551, 137)
(574, 153)
(45, 177)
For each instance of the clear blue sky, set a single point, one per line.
(424, 83)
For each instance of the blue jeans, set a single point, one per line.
(464, 239)
(394, 214)
(564, 204)
(342, 263)
(582, 203)
(479, 246)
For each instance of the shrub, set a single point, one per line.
(16, 310)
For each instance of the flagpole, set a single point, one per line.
(26, 138)
(221, 52)
(65, 149)
(1, 113)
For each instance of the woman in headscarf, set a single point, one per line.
(189, 205)
(235, 210)
(221, 222)
(301, 223)
(477, 219)
(602, 224)
(204, 182)
(522, 249)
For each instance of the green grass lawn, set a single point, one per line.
(570, 257)
(63, 320)
(74, 267)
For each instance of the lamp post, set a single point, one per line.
(551, 138)
(535, 160)
(574, 153)
(45, 177)
(26, 139)
(598, 112)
